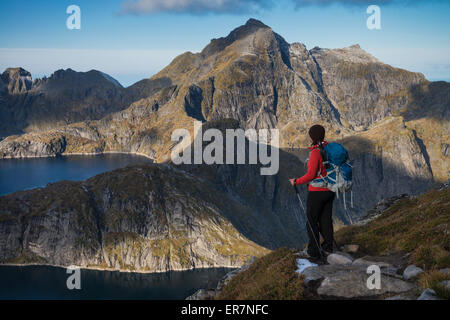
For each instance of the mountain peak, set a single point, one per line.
(355, 46)
(18, 80)
(255, 23)
(216, 45)
(14, 73)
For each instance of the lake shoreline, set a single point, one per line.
(79, 154)
(43, 281)
(19, 174)
(115, 270)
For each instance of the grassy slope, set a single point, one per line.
(418, 226)
(270, 277)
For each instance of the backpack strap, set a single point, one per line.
(324, 157)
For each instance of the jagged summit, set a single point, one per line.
(17, 80)
(216, 45)
(255, 23)
(353, 53)
(17, 71)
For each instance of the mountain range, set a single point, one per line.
(394, 123)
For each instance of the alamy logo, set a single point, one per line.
(374, 281)
(74, 281)
(74, 20)
(374, 20)
(213, 153)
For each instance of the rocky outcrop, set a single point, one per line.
(379, 208)
(350, 282)
(412, 272)
(211, 293)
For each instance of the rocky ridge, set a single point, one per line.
(344, 274)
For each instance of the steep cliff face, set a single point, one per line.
(361, 87)
(148, 218)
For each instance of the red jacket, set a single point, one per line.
(314, 163)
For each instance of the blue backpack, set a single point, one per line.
(339, 171)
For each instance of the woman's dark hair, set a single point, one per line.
(317, 134)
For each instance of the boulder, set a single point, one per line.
(428, 294)
(412, 272)
(350, 282)
(445, 284)
(336, 258)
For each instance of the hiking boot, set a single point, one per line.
(315, 256)
(327, 250)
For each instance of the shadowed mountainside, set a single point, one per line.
(163, 217)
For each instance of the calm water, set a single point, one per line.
(45, 282)
(21, 174)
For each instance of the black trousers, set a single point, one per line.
(319, 207)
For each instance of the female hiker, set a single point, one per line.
(319, 203)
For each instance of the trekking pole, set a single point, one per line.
(307, 220)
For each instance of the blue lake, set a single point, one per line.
(21, 174)
(45, 282)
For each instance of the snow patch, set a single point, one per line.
(302, 264)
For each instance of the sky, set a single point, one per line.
(133, 39)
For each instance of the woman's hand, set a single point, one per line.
(292, 182)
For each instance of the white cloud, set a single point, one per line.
(195, 6)
(126, 66)
(235, 6)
